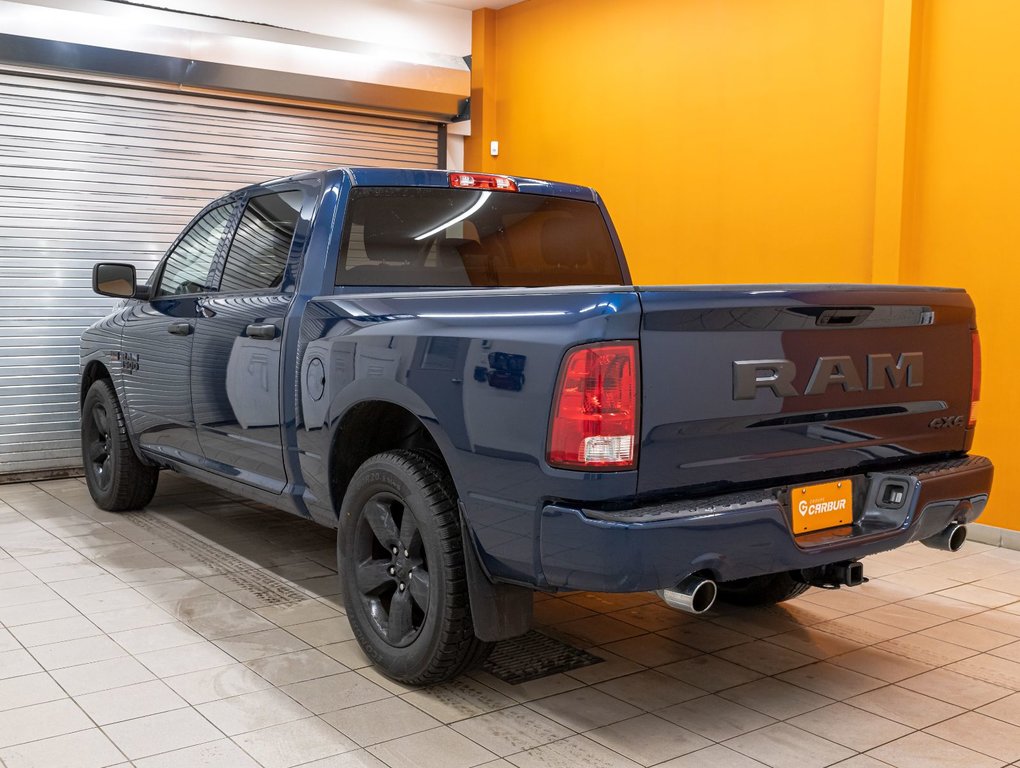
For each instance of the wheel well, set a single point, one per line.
(93, 372)
(370, 428)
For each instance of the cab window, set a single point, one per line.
(187, 266)
(258, 254)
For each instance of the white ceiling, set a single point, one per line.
(472, 5)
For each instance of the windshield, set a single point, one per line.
(427, 236)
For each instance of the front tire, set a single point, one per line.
(401, 562)
(761, 590)
(117, 480)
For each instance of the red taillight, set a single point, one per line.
(975, 378)
(482, 181)
(595, 413)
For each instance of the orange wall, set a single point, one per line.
(963, 223)
(780, 140)
(740, 132)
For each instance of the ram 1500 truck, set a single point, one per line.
(455, 371)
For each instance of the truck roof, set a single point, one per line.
(416, 177)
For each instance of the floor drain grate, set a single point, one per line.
(534, 655)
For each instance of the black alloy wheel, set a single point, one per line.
(391, 569)
(98, 449)
(401, 562)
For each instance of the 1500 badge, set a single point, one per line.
(128, 361)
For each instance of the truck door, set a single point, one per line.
(158, 339)
(236, 362)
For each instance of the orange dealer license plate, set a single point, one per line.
(826, 505)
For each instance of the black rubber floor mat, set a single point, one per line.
(534, 655)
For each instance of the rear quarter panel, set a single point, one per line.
(478, 368)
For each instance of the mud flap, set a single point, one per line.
(498, 611)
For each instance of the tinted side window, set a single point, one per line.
(258, 254)
(187, 266)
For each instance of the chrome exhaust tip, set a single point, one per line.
(950, 539)
(695, 594)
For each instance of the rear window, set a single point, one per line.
(435, 237)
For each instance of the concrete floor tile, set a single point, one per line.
(23, 691)
(784, 746)
(57, 630)
(715, 718)
(649, 690)
(584, 709)
(160, 637)
(129, 701)
(831, 680)
(710, 673)
(294, 743)
(648, 739)
(651, 650)
(101, 675)
(84, 749)
(438, 748)
(252, 711)
(982, 734)
(41, 721)
(217, 683)
(852, 727)
(880, 664)
(507, 731)
(963, 691)
(383, 720)
(716, 756)
(214, 754)
(154, 734)
(296, 667)
(15, 663)
(704, 636)
(183, 659)
(904, 706)
(775, 698)
(1006, 709)
(72, 653)
(328, 694)
(458, 699)
(257, 645)
(765, 658)
(921, 750)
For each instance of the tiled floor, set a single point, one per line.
(206, 632)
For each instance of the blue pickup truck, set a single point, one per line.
(455, 371)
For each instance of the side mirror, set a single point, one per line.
(117, 280)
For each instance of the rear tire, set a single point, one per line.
(401, 562)
(761, 590)
(116, 477)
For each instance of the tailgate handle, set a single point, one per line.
(842, 316)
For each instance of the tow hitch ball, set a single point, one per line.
(849, 573)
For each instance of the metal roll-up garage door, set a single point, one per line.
(92, 172)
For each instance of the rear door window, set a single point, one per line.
(258, 253)
(438, 237)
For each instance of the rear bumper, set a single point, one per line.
(749, 534)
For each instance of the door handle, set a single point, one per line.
(261, 331)
(179, 329)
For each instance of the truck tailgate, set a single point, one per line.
(748, 385)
